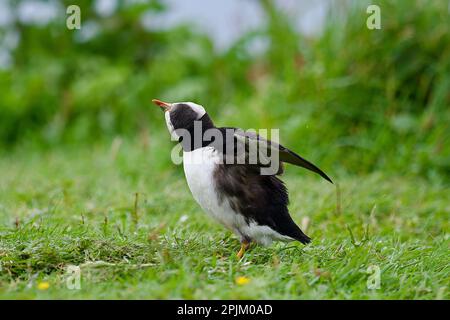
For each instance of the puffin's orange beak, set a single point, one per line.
(163, 105)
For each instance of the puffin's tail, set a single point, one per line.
(303, 238)
(286, 226)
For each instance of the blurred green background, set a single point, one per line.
(353, 100)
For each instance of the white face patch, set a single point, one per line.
(170, 127)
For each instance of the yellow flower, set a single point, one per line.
(242, 280)
(43, 285)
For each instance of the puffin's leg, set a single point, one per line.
(245, 243)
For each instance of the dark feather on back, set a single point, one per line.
(260, 198)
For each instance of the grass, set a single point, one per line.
(74, 206)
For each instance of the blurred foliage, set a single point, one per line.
(355, 98)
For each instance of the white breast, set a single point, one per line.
(199, 166)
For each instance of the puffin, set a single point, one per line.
(234, 175)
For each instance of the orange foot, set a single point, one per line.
(244, 247)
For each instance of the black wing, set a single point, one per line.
(289, 156)
(265, 148)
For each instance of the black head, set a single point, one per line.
(182, 115)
